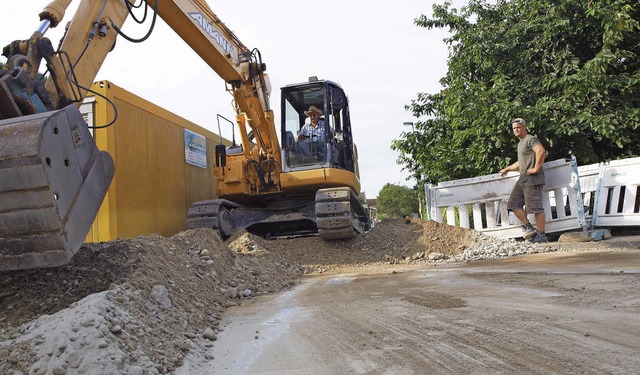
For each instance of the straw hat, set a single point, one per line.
(313, 109)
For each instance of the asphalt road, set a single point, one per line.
(554, 313)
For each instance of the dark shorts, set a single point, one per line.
(528, 196)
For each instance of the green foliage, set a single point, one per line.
(570, 68)
(396, 201)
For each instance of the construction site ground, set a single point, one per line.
(408, 297)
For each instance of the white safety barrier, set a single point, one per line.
(614, 188)
(587, 197)
(589, 183)
(480, 203)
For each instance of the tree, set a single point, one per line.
(396, 201)
(569, 67)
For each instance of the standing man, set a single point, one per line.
(528, 190)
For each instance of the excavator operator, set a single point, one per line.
(315, 129)
(312, 136)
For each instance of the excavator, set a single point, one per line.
(53, 178)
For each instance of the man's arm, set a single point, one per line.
(302, 133)
(513, 167)
(539, 151)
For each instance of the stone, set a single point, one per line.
(73, 359)
(436, 256)
(232, 292)
(210, 334)
(161, 295)
(116, 329)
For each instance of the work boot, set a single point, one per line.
(529, 231)
(540, 238)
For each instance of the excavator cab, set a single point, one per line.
(317, 186)
(330, 144)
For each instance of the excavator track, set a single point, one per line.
(53, 179)
(213, 214)
(337, 214)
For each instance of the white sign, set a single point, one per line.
(195, 149)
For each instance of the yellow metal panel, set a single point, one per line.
(153, 185)
(319, 178)
(105, 224)
(299, 179)
(341, 177)
(233, 170)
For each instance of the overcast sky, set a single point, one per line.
(373, 49)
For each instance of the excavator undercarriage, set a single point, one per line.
(334, 213)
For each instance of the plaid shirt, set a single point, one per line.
(314, 134)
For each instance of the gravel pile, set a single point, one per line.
(485, 247)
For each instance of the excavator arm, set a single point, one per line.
(241, 68)
(52, 177)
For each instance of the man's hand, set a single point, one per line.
(531, 171)
(513, 167)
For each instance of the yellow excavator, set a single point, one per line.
(53, 178)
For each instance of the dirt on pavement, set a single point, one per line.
(142, 305)
(545, 313)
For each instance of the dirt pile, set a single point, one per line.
(148, 298)
(391, 241)
(139, 305)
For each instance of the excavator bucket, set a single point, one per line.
(53, 179)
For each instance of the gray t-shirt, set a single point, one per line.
(527, 160)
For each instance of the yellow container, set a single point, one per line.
(163, 163)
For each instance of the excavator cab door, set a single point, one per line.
(340, 121)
